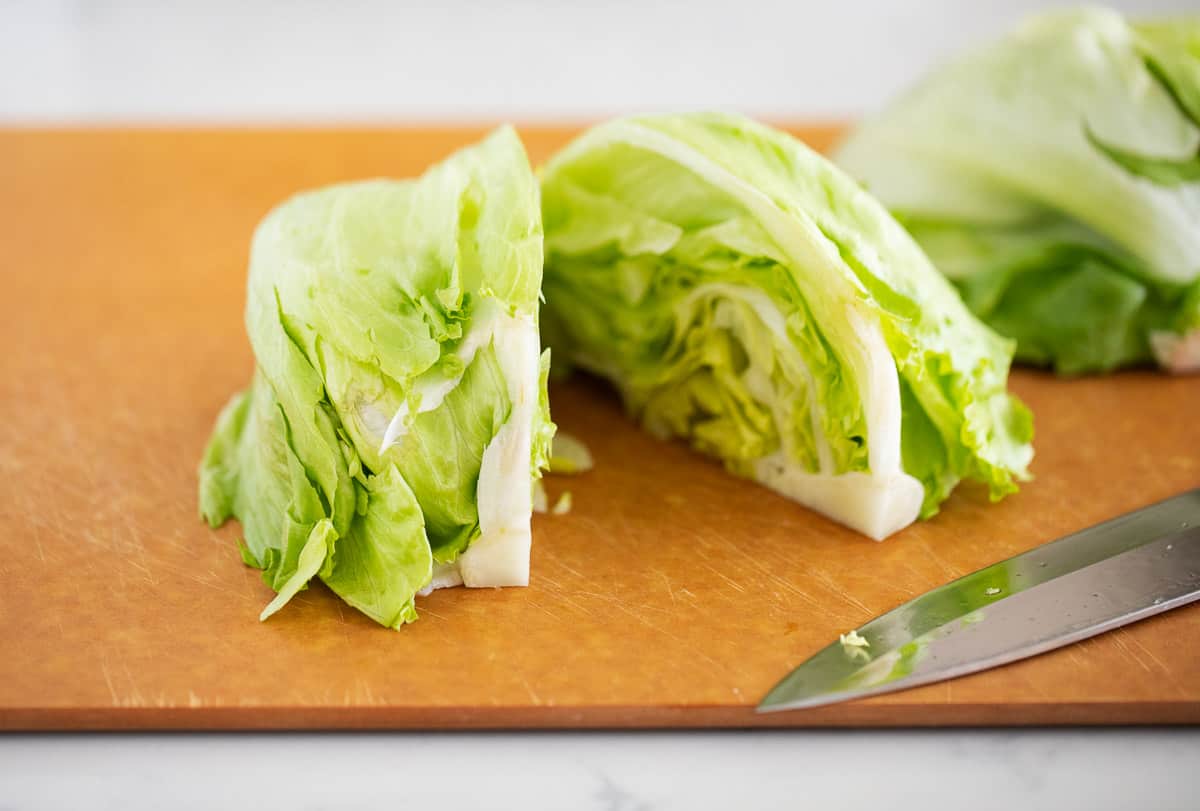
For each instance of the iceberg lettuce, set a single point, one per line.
(1055, 178)
(398, 415)
(744, 293)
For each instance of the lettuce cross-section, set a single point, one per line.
(744, 293)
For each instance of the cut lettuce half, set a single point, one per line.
(744, 293)
(398, 415)
(1055, 178)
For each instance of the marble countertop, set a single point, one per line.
(236, 61)
(972, 770)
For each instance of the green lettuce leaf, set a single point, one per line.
(398, 416)
(744, 293)
(1055, 177)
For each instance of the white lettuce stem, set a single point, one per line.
(500, 555)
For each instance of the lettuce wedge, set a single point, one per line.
(744, 293)
(398, 416)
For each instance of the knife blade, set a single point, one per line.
(1123, 570)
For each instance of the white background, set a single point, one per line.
(257, 61)
(377, 61)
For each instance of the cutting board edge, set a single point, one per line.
(916, 715)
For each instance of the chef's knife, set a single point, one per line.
(1103, 577)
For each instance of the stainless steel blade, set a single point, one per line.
(1103, 577)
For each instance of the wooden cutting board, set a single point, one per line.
(672, 595)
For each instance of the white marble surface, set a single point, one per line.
(377, 61)
(1090, 770)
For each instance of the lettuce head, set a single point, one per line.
(1054, 176)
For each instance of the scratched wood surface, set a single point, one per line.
(673, 595)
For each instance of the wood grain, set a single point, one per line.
(672, 595)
